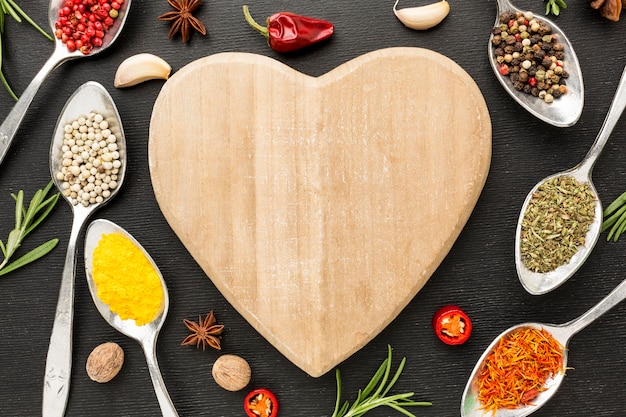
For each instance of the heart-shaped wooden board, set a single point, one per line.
(319, 206)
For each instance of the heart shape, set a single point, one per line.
(319, 207)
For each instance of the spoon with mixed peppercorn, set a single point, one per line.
(561, 218)
(536, 64)
(82, 28)
(525, 365)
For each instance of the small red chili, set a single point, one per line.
(452, 325)
(260, 403)
(287, 32)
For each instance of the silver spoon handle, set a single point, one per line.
(165, 402)
(614, 298)
(59, 360)
(615, 111)
(504, 6)
(11, 124)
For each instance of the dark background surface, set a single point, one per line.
(478, 273)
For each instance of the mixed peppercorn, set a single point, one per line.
(526, 50)
(81, 24)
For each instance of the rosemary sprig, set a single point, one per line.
(25, 221)
(555, 6)
(615, 218)
(10, 8)
(368, 399)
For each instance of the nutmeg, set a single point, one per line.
(231, 372)
(104, 362)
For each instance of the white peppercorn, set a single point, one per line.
(89, 158)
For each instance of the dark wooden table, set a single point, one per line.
(477, 274)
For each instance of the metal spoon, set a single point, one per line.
(541, 283)
(147, 334)
(11, 124)
(91, 96)
(564, 111)
(470, 406)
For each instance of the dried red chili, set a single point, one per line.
(452, 325)
(260, 403)
(288, 32)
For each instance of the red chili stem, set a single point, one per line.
(261, 29)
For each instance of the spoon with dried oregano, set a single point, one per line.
(561, 218)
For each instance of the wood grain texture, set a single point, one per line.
(319, 206)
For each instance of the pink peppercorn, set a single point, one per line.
(82, 24)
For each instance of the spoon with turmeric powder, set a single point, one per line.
(129, 292)
(518, 46)
(88, 171)
(496, 383)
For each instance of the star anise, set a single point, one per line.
(204, 332)
(182, 18)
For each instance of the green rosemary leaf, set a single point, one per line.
(367, 401)
(8, 87)
(31, 256)
(610, 221)
(614, 218)
(19, 208)
(617, 203)
(10, 11)
(48, 205)
(9, 7)
(28, 19)
(25, 222)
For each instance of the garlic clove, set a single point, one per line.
(139, 68)
(422, 17)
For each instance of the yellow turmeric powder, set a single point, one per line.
(126, 280)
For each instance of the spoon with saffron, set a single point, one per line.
(537, 283)
(89, 97)
(562, 112)
(145, 334)
(60, 55)
(470, 403)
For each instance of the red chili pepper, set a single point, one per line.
(452, 325)
(261, 403)
(287, 32)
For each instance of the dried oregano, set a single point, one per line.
(555, 223)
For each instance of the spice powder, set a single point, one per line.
(555, 223)
(126, 280)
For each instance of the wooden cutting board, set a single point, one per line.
(319, 207)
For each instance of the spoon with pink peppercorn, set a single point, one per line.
(71, 42)
(536, 64)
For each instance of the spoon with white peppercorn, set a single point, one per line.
(540, 278)
(563, 111)
(87, 163)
